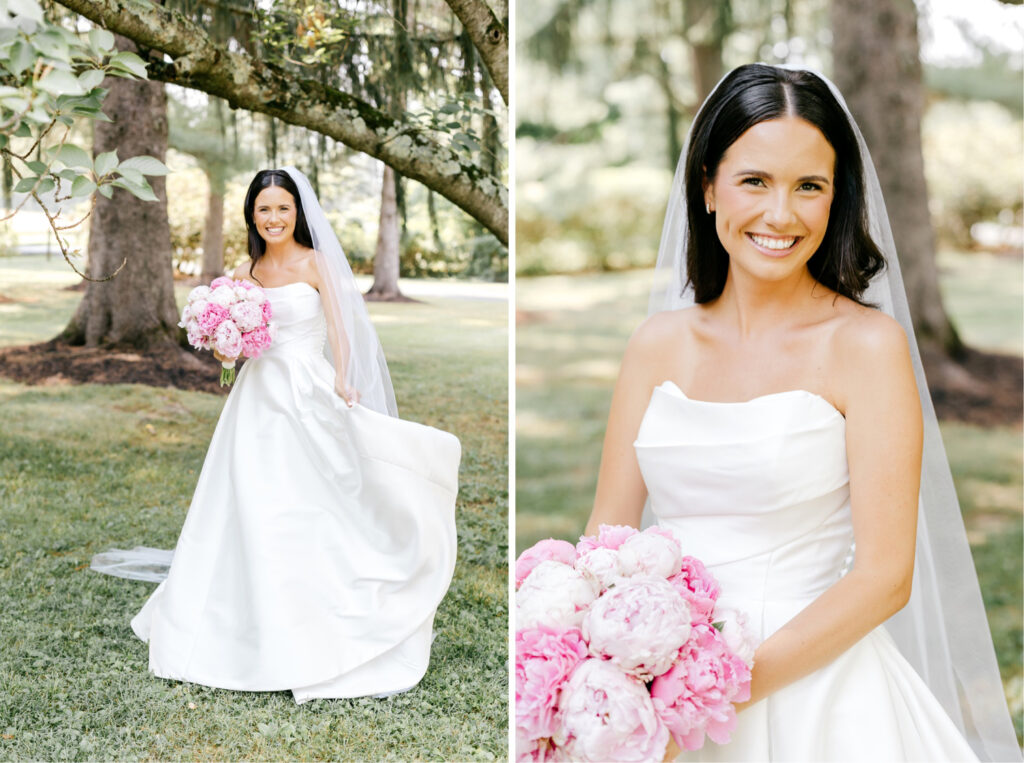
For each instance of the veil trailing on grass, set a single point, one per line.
(943, 631)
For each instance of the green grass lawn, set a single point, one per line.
(85, 468)
(568, 349)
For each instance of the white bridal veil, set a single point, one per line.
(942, 631)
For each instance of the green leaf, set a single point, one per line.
(25, 185)
(15, 103)
(90, 78)
(29, 9)
(144, 191)
(46, 185)
(107, 191)
(51, 44)
(60, 82)
(23, 131)
(73, 156)
(105, 163)
(100, 40)
(82, 186)
(131, 175)
(22, 56)
(450, 108)
(37, 167)
(129, 62)
(147, 165)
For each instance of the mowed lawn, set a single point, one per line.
(570, 337)
(85, 468)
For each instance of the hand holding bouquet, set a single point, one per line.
(620, 645)
(232, 318)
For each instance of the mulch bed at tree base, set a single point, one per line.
(985, 389)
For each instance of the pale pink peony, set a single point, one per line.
(696, 696)
(542, 551)
(198, 293)
(608, 536)
(603, 564)
(737, 633)
(255, 295)
(639, 625)
(223, 295)
(246, 315)
(698, 587)
(545, 658)
(227, 340)
(196, 337)
(653, 552)
(607, 715)
(212, 316)
(267, 311)
(255, 342)
(556, 595)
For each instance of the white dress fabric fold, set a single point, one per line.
(320, 539)
(759, 491)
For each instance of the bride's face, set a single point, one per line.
(771, 197)
(274, 214)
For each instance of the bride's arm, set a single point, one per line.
(621, 492)
(883, 443)
(337, 337)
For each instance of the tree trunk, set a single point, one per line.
(385, 258)
(136, 308)
(213, 232)
(706, 24)
(878, 71)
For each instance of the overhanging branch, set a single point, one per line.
(255, 85)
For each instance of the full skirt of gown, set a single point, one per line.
(759, 491)
(320, 538)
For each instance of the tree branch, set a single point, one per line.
(489, 36)
(245, 82)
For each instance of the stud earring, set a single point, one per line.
(707, 206)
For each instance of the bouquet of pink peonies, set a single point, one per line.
(620, 644)
(231, 317)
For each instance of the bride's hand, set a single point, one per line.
(347, 392)
(672, 751)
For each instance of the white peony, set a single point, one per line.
(639, 625)
(650, 553)
(603, 564)
(554, 594)
(199, 292)
(737, 633)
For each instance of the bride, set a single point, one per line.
(769, 412)
(321, 535)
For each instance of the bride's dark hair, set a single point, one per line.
(847, 258)
(265, 179)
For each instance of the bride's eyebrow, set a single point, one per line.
(768, 176)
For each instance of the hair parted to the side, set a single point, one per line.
(847, 257)
(265, 179)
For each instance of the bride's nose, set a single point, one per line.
(779, 211)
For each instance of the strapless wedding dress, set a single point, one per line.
(320, 539)
(759, 491)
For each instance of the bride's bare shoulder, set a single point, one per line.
(869, 345)
(243, 272)
(667, 329)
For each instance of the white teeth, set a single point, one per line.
(773, 243)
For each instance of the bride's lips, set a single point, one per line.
(274, 231)
(771, 251)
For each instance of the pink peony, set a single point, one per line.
(655, 552)
(736, 632)
(246, 316)
(545, 658)
(212, 316)
(223, 296)
(529, 750)
(556, 595)
(639, 625)
(541, 551)
(196, 337)
(255, 342)
(606, 715)
(267, 312)
(227, 340)
(696, 696)
(198, 293)
(220, 281)
(608, 536)
(603, 564)
(698, 587)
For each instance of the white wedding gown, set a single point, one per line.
(320, 539)
(759, 491)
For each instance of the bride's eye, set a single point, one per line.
(754, 181)
(810, 186)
